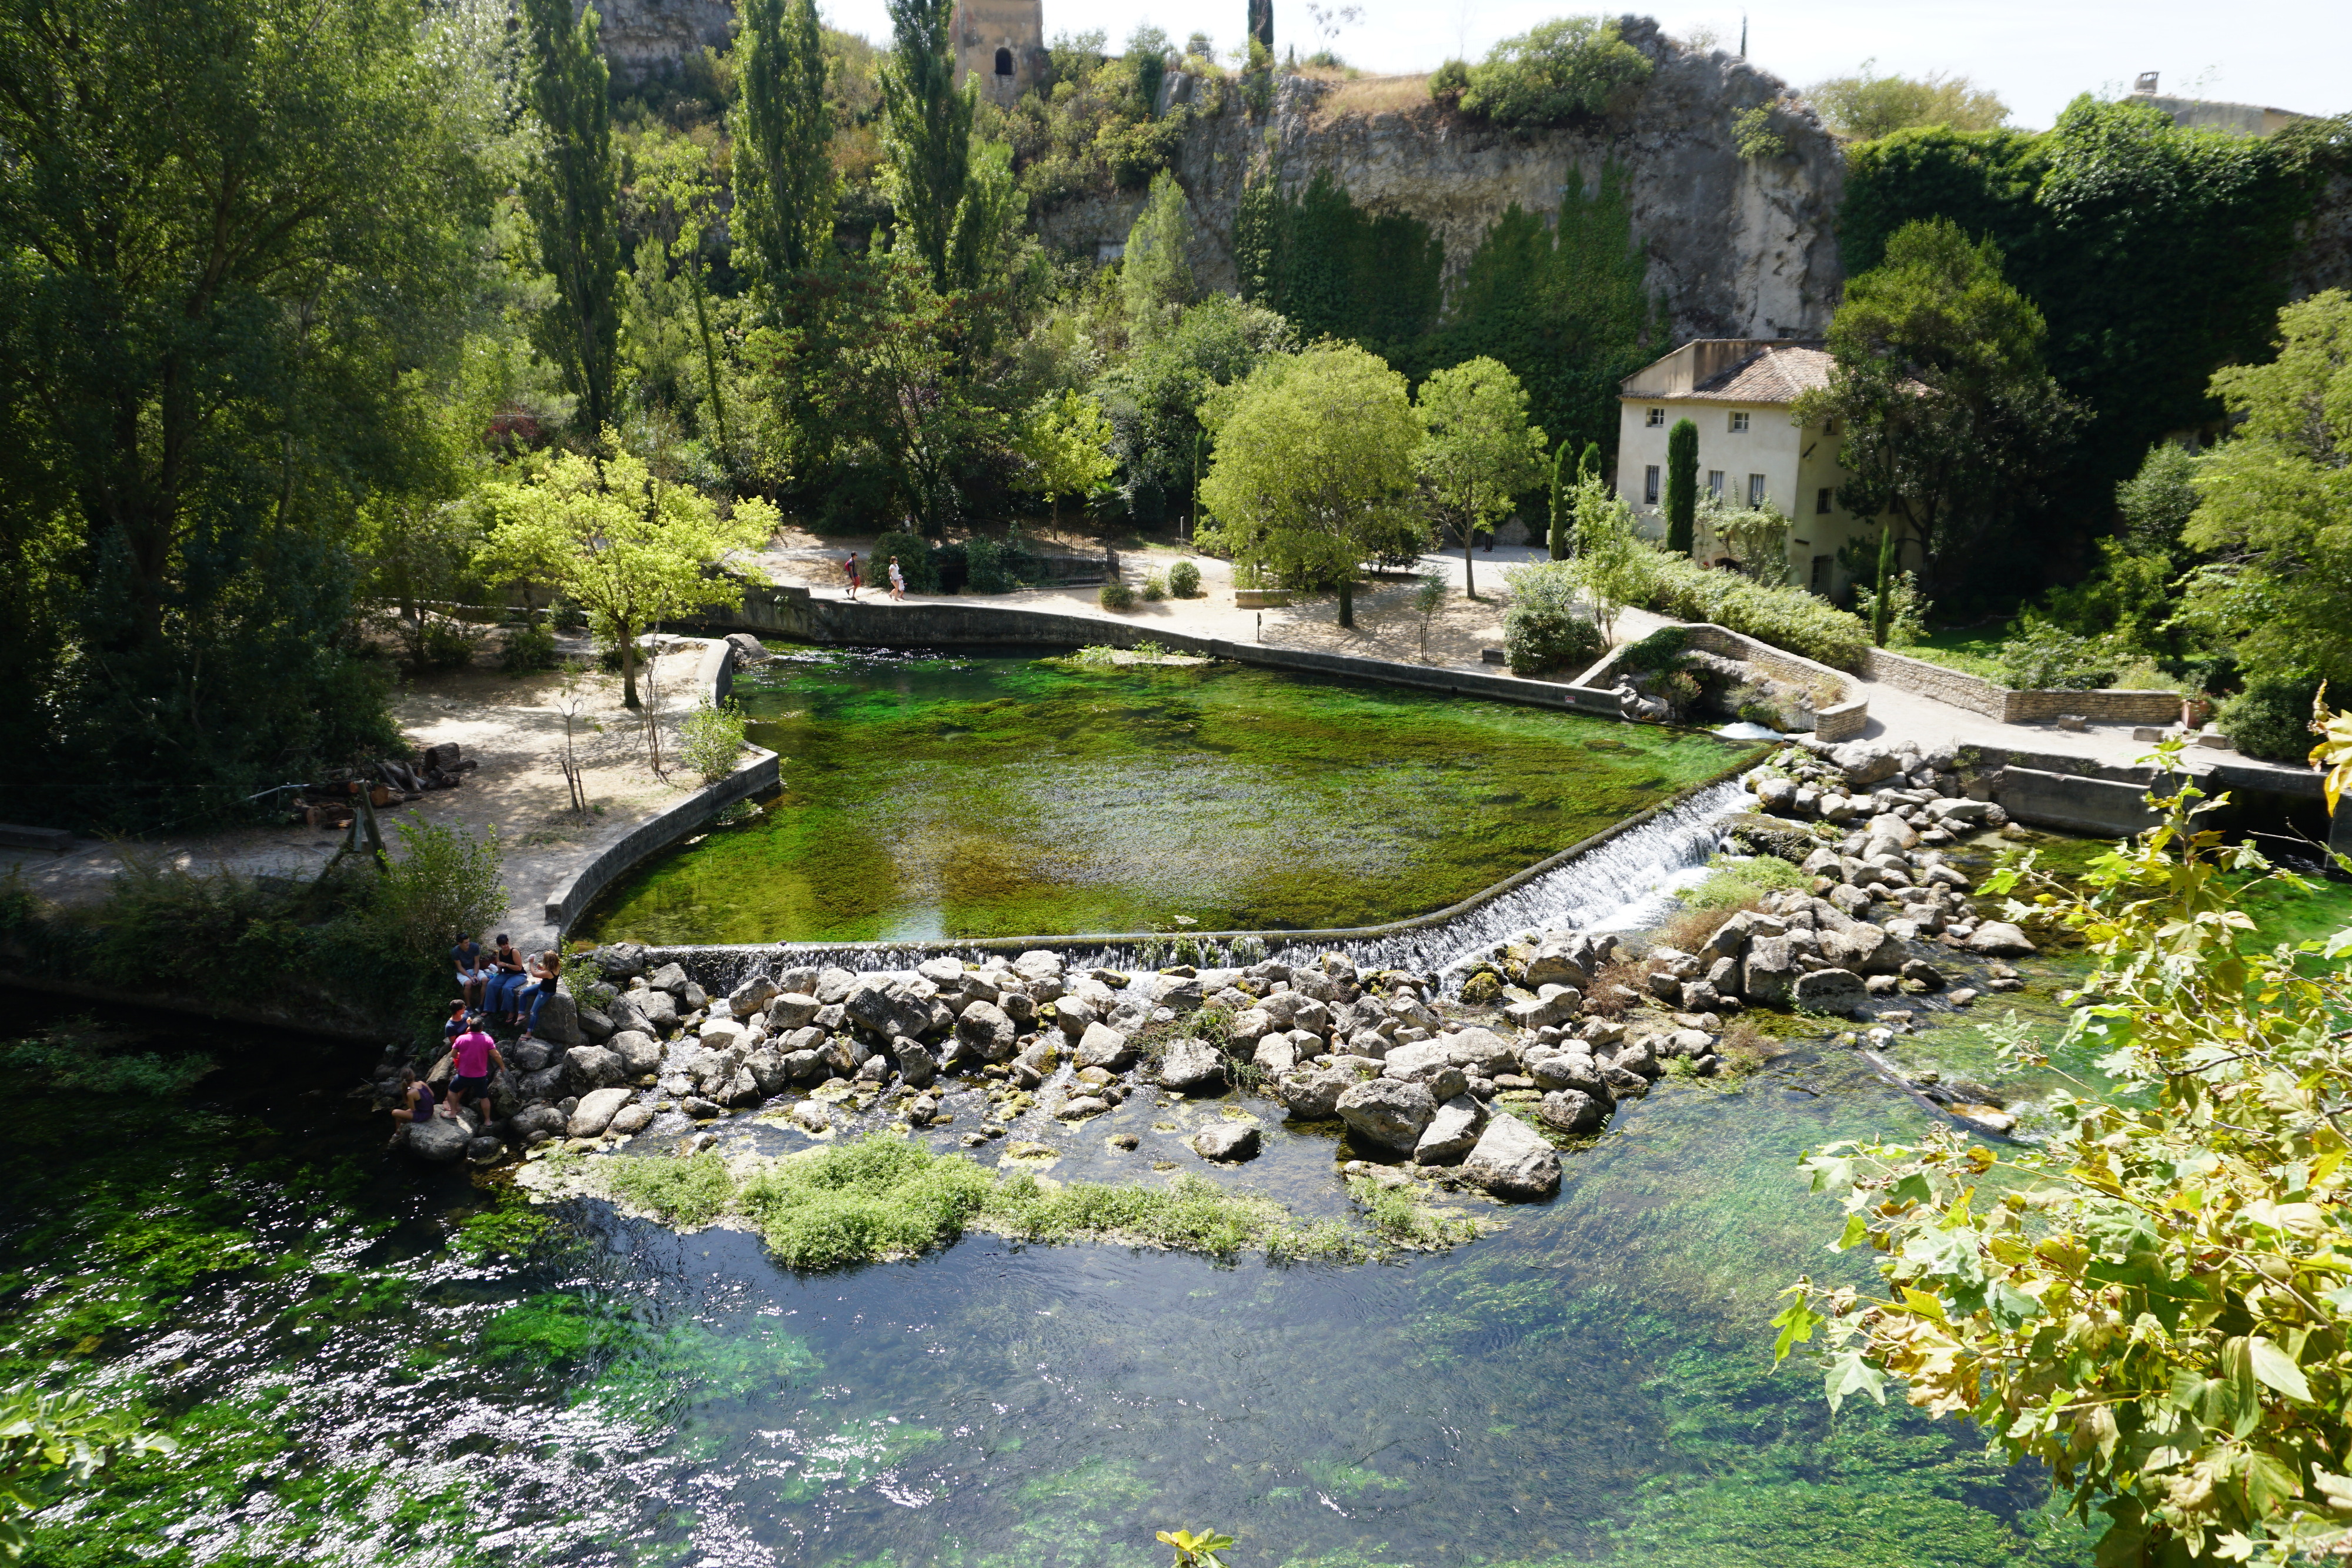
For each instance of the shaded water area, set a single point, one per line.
(934, 795)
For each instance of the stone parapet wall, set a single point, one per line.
(1976, 694)
(1844, 720)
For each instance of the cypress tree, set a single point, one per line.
(1559, 504)
(785, 186)
(1879, 616)
(1682, 486)
(1589, 465)
(573, 195)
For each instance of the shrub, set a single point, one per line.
(1660, 650)
(1544, 630)
(915, 562)
(1155, 589)
(988, 567)
(1907, 612)
(446, 644)
(1448, 82)
(1787, 618)
(1116, 595)
(2047, 658)
(529, 648)
(444, 885)
(1563, 69)
(1184, 580)
(2271, 718)
(711, 741)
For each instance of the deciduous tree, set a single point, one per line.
(1313, 473)
(1478, 454)
(1065, 442)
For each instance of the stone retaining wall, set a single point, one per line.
(1840, 721)
(1962, 690)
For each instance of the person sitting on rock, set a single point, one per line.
(547, 968)
(473, 970)
(474, 1057)
(506, 978)
(455, 1025)
(417, 1103)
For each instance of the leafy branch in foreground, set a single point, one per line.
(2157, 1303)
(46, 1437)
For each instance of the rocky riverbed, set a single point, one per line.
(1475, 1079)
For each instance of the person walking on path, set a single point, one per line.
(897, 582)
(474, 1057)
(850, 566)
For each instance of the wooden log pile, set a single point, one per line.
(390, 782)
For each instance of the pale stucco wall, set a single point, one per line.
(1797, 463)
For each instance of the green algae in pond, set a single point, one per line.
(928, 798)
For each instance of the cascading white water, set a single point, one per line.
(1623, 884)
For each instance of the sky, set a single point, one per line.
(2287, 54)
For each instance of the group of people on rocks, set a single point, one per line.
(497, 987)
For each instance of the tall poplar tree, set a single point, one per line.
(572, 193)
(927, 130)
(785, 185)
(1682, 486)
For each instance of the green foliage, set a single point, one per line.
(1313, 469)
(1947, 419)
(1752, 134)
(2149, 1302)
(785, 184)
(710, 742)
(1787, 618)
(926, 132)
(2110, 222)
(2276, 501)
(1561, 521)
(442, 885)
(1560, 72)
(879, 1197)
(1733, 883)
(2157, 501)
(573, 194)
(1448, 82)
(1544, 629)
(86, 1060)
(526, 648)
(1332, 269)
(1682, 486)
(2272, 717)
(2041, 657)
(1064, 443)
(989, 567)
(1866, 106)
(1155, 588)
(1402, 1217)
(1906, 611)
(1198, 1550)
(235, 234)
(618, 541)
(915, 561)
(1117, 594)
(1153, 393)
(1092, 131)
(1660, 650)
(690, 1191)
(1184, 580)
(1613, 563)
(1478, 453)
(53, 1442)
(1155, 277)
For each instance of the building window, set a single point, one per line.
(1739, 422)
(1715, 482)
(1756, 489)
(1650, 485)
(1005, 62)
(1821, 502)
(1654, 418)
(1821, 574)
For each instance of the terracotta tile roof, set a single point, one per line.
(1779, 372)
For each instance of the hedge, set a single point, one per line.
(1787, 618)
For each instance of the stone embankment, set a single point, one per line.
(1546, 1037)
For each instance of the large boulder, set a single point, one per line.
(537, 1121)
(1839, 991)
(1573, 1111)
(1769, 971)
(750, 996)
(632, 1120)
(558, 1019)
(640, 1052)
(1311, 1094)
(1999, 939)
(883, 1008)
(547, 1084)
(1389, 1112)
(917, 1065)
(1227, 1141)
(1480, 1050)
(653, 1011)
(1452, 1134)
(1864, 948)
(1511, 1160)
(1865, 764)
(1105, 1047)
(1560, 963)
(1569, 1070)
(792, 1009)
(1552, 1004)
(1039, 965)
(670, 978)
(986, 1032)
(593, 1066)
(1190, 1066)
(440, 1140)
(1758, 835)
(595, 1111)
(620, 961)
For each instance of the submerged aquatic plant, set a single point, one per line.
(1197, 1551)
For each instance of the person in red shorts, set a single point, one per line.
(476, 1059)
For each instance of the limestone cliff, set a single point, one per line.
(645, 39)
(1740, 246)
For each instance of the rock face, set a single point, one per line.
(1389, 1112)
(1740, 247)
(647, 40)
(1511, 1161)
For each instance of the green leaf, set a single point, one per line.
(2270, 1483)
(1850, 1374)
(1798, 1323)
(2277, 1370)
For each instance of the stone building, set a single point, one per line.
(1738, 393)
(1000, 43)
